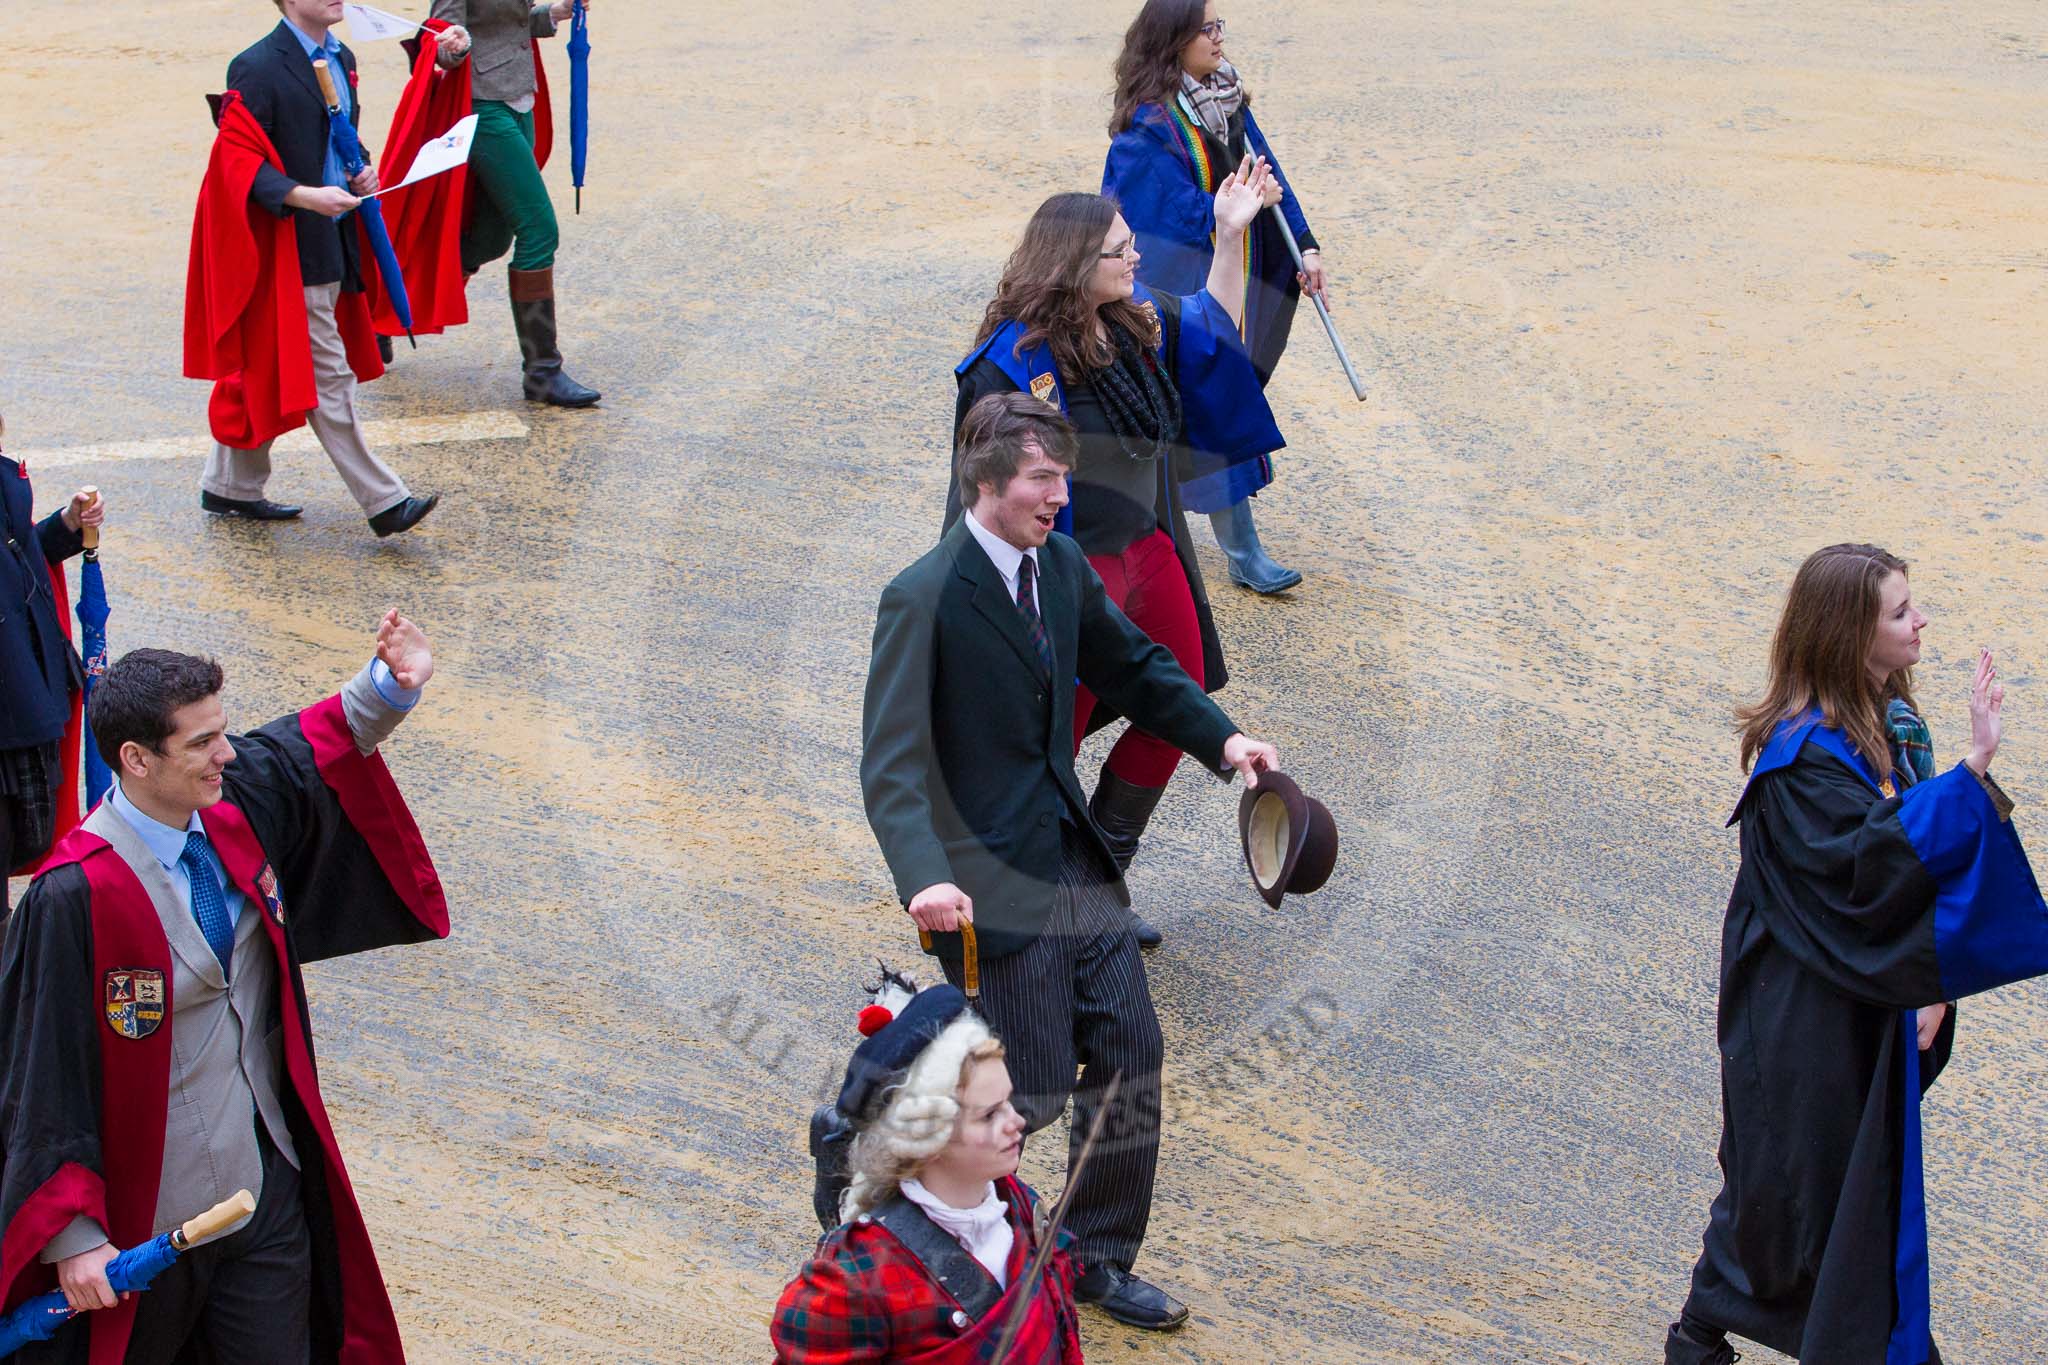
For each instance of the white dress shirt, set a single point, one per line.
(1005, 556)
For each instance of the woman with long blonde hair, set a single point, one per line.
(1874, 891)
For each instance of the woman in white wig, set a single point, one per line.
(928, 1260)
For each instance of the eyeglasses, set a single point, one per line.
(1124, 252)
(1213, 30)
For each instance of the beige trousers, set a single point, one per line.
(241, 474)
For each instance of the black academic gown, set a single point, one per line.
(1853, 907)
(342, 869)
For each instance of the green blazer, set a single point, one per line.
(967, 747)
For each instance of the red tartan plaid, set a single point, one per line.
(863, 1297)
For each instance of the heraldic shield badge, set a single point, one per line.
(135, 1001)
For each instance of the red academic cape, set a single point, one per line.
(358, 876)
(68, 750)
(245, 304)
(426, 220)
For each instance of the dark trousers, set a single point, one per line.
(1077, 997)
(243, 1300)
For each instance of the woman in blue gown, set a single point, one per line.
(1182, 119)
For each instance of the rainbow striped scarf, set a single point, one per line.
(1207, 176)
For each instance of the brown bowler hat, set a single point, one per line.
(1290, 841)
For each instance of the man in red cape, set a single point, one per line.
(279, 290)
(156, 1050)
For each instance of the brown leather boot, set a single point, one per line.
(533, 315)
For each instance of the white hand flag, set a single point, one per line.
(367, 25)
(444, 153)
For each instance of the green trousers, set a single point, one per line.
(510, 208)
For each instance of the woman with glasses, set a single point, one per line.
(1149, 380)
(1181, 119)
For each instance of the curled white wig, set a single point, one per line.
(917, 1118)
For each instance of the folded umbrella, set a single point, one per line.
(579, 98)
(349, 148)
(39, 1318)
(92, 639)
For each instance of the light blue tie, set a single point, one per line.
(209, 907)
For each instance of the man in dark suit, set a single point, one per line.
(968, 774)
(279, 87)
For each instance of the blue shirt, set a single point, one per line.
(331, 50)
(167, 845)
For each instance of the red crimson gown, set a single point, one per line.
(316, 835)
(426, 219)
(865, 1297)
(245, 302)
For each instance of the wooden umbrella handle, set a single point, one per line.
(219, 1218)
(91, 534)
(970, 958)
(327, 92)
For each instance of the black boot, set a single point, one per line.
(1121, 810)
(533, 314)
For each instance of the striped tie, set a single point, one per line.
(1028, 604)
(209, 907)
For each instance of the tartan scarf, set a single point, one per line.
(1214, 99)
(1912, 745)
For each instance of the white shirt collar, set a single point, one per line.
(1005, 556)
(983, 1230)
(164, 841)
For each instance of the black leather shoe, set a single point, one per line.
(403, 516)
(1130, 1300)
(255, 509)
(1683, 1348)
(1147, 936)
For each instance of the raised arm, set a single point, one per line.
(1239, 199)
(389, 686)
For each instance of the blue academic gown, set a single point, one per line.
(1856, 903)
(1157, 173)
(1227, 427)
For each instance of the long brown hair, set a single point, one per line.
(1148, 69)
(1820, 655)
(1044, 286)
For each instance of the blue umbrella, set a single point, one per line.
(349, 148)
(39, 1318)
(579, 98)
(92, 623)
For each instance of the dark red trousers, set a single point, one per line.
(1147, 581)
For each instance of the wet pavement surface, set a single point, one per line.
(1652, 302)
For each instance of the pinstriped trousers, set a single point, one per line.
(1077, 997)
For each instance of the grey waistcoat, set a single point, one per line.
(225, 1046)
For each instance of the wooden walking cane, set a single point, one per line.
(970, 958)
(1049, 1236)
(1322, 309)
